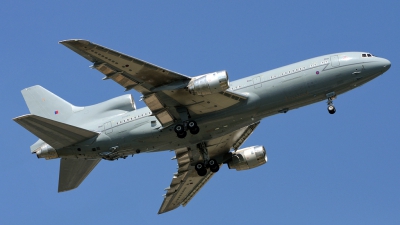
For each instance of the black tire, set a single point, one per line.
(202, 172)
(179, 129)
(199, 166)
(214, 169)
(195, 130)
(191, 124)
(331, 109)
(181, 135)
(212, 163)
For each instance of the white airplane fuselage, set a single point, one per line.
(268, 93)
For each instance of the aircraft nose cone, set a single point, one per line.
(386, 64)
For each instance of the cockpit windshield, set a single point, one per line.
(367, 55)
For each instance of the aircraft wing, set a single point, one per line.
(163, 90)
(127, 71)
(74, 171)
(186, 182)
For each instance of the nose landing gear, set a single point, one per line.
(331, 108)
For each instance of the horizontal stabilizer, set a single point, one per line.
(74, 171)
(56, 134)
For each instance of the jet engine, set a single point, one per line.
(248, 158)
(47, 152)
(209, 83)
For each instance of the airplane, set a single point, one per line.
(205, 119)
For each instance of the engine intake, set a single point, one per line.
(248, 158)
(209, 83)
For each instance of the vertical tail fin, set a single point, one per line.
(43, 103)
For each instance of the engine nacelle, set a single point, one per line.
(209, 83)
(47, 152)
(248, 158)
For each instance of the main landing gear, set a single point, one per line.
(331, 108)
(201, 167)
(190, 125)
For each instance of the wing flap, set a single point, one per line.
(56, 134)
(74, 171)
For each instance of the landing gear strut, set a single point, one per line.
(331, 108)
(190, 125)
(201, 167)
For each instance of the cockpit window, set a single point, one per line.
(367, 55)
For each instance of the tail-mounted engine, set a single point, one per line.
(209, 83)
(248, 158)
(47, 152)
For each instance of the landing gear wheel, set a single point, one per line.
(191, 124)
(195, 130)
(212, 162)
(179, 129)
(199, 166)
(214, 167)
(201, 169)
(202, 172)
(182, 135)
(331, 109)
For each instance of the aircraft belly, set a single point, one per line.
(209, 129)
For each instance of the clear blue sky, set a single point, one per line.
(322, 169)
